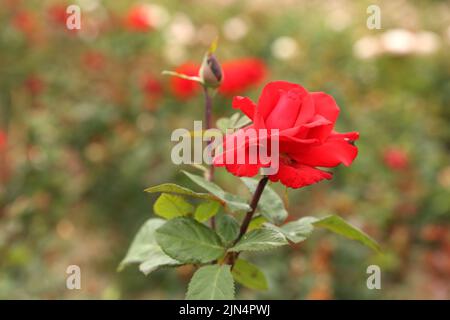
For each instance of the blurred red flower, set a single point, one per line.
(34, 84)
(395, 158)
(307, 139)
(94, 60)
(434, 232)
(242, 74)
(3, 140)
(139, 18)
(185, 89)
(25, 22)
(57, 14)
(152, 89)
(4, 167)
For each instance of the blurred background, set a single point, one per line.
(86, 118)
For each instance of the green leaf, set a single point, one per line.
(260, 239)
(170, 206)
(232, 202)
(340, 226)
(199, 167)
(176, 189)
(249, 275)
(227, 123)
(157, 259)
(146, 251)
(206, 210)
(256, 223)
(227, 228)
(270, 205)
(200, 134)
(211, 283)
(236, 121)
(222, 124)
(298, 231)
(242, 122)
(189, 241)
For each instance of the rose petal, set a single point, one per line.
(299, 175)
(325, 106)
(286, 110)
(232, 143)
(244, 104)
(245, 169)
(301, 131)
(307, 110)
(329, 154)
(349, 136)
(271, 94)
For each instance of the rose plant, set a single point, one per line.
(211, 228)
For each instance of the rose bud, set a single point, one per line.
(211, 71)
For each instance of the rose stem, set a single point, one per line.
(233, 256)
(208, 125)
(253, 204)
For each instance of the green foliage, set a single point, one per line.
(176, 189)
(211, 283)
(242, 122)
(170, 206)
(227, 228)
(206, 210)
(186, 240)
(156, 259)
(249, 275)
(260, 239)
(146, 251)
(257, 222)
(227, 122)
(340, 226)
(299, 230)
(236, 121)
(189, 241)
(270, 205)
(232, 202)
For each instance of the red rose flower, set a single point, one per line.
(57, 13)
(306, 137)
(395, 158)
(153, 91)
(3, 140)
(241, 74)
(139, 18)
(185, 89)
